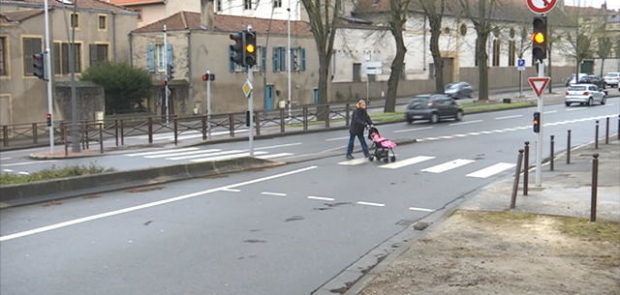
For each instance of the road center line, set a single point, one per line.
(466, 123)
(231, 190)
(411, 130)
(371, 204)
(147, 205)
(321, 198)
(337, 138)
(276, 146)
(508, 117)
(549, 112)
(421, 209)
(273, 194)
(27, 163)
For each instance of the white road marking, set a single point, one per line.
(229, 157)
(509, 117)
(460, 135)
(474, 133)
(466, 123)
(276, 146)
(448, 166)
(407, 162)
(7, 170)
(273, 194)
(446, 137)
(23, 173)
(272, 156)
(337, 138)
(161, 152)
(147, 205)
(371, 204)
(421, 209)
(411, 130)
(231, 190)
(491, 170)
(206, 154)
(6, 158)
(576, 109)
(353, 162)
(549, 112)
(27, 163)
(321, 198)
(173, 154)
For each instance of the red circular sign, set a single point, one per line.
(541, 6)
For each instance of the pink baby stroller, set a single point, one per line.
(383, 147)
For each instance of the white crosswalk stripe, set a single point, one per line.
(227, 157)
(161, 152)
(173, 154)
(274, 156)
(353, 162)
(207, 153)
(448, 166)
(406, 162)
(491, 170)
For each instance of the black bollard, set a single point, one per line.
(526, 167)
(607, 130)
(552, 152)
(596, 136)
(568, 148)
(515, 186)
(594, 187)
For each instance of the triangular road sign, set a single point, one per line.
(538, 84)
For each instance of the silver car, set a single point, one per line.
(584, 94)
(612, 79)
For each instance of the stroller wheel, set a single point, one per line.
(385, 160)
(371, 158)
(393, 158)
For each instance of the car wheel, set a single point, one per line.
(603, 101)
(434, 118)
(590, 102)
(409, 121)
(567, 104)
(459, 116)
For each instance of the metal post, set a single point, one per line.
(618, 130)
(594, 187)
(231, 124)
(305, 112)
(251, 109)
(101, 137)
(347, 110)
(74, 112)
(87, 136)
(327, 117)
(539, 144)
(281, 120)
(122, 133)
(208, 105)
(568, 148)
(596, 136)
(150, 128)
(166, 89)
(176, 129)
(552, 152)
(64, 138)
(5, 135)
(515, 185)
(607, 130)
(526, 168)
(35, 135)
(48, 70)
(288, 54)
(204, 127)
(116, 131)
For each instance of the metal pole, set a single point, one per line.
(594, 187)
(288, 54)
(551, 152)
(596, 136)
(48, 70)
(526, 168)
(539, 144)
(607, 130)
(166, 75)
(520, 83)
(568, 148)
(209, 105)
(515, 185)
(251, 110)
(74, 113)
(101, 137)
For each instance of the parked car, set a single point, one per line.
(584, 94)
(612, 79)
(593, 79)
(458, 90)
(433, 108)
(572, 80)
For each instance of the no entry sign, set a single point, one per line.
(541, 6)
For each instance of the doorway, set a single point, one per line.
(268, 97)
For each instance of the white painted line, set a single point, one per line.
(276, 146)
(231, 190)
(509, 117)
(411, 130)
(460, 135)
(549, 112)
(7, 170)
(6, 158)
(421, 209)
(206, 154)
(448, 166)
(161, 152)
(273, 194)
(173, 154)
(226, 157)
(27, 163)
(466, 123)
(576, 109)
(147, 205)
(431, 138)
(321, 198)
(353, 162)
(337, 138)
(473, 133)
(407, 162)
(23, 173)
(371, 204)
(446, 137)
(272, 156)
(491, 170)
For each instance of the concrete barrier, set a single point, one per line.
(30, 193)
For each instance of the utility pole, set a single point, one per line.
(75, 139)
(288, 54)
(209, 104)
(48, 70)
(166, 89)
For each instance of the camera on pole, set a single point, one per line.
(539, 38)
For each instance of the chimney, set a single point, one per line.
(206, 13)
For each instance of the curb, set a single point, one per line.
(30, 193)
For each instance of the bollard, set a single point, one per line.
(568, 148)
(552, 152)
(35, 135)
(305, 111)
(176, 129)
(87, 136)
(204, 127)
(116, 131)
(64, 139)
(607, 130)
(596, 136)
(150, 125)
(281, 120)
(122, 133)
(515, 186)
(231, 125)
(594, 187)
(5, 135)
(618, 130)
(526, 167)
(101, 137)
(348, 109)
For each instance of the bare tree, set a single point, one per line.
(604, 50)
(481, 18)
(434, 11)
(398, 18)
(323, 15)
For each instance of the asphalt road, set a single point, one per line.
(286, 230)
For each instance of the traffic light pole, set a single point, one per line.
(251, 110)
(48, 70)
(539, 145)
(166, 89)
(208, 104)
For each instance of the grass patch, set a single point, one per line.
(496, 217)
(592, 231)
(494, 106)
(53, 173)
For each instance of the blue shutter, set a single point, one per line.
(276, 58)
(150, 58)
(263, 59)
(169, 55)
(303, 59)
(283, 59)
(231, 64)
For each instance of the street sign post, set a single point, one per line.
(521, 64)
(521, 68)
(541, 6)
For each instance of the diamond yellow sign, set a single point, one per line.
(247, 88)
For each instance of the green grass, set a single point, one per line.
(53, 173)
(593, 231)
(485, 107)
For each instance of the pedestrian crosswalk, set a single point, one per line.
(197, 155)
(485, 172)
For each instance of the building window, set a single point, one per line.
(279, 59)
(4, 70)
(102, 22)
(75, 20)
(496, 51)
(218, 5)
(61, 58)
(357, 72)
(247, 4)
(277, 3)
(30, 46)
(159, 57)
(98, 53)
(262, 59)
(511, 53)
(298, 59)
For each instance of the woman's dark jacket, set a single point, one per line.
(359, 120)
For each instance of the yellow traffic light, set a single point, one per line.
(249, 48)
(539, 38)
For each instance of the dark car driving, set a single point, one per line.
(433, 108)
(593, 79)
(458, 90)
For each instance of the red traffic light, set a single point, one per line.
(208, 77)
(48, 116)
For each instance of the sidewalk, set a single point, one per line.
(545, 246)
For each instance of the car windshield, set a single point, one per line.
(419, 102)
(577, 88)
(452, 86)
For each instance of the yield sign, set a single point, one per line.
(538, 84)
(541, 6)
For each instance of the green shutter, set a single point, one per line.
(303, 59)
(150, 58)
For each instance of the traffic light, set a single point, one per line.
(237, 49)
(208, 77)
(250, 48)
(536, 122)
(48, 119)
(169, 72)
(38, 62)
(539, 38)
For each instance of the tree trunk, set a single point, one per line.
(602, 66)
(437, 60)
(323, 84)
(483, 68)
(396, 71)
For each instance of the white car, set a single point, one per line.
(584, 94)
(612, 79)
